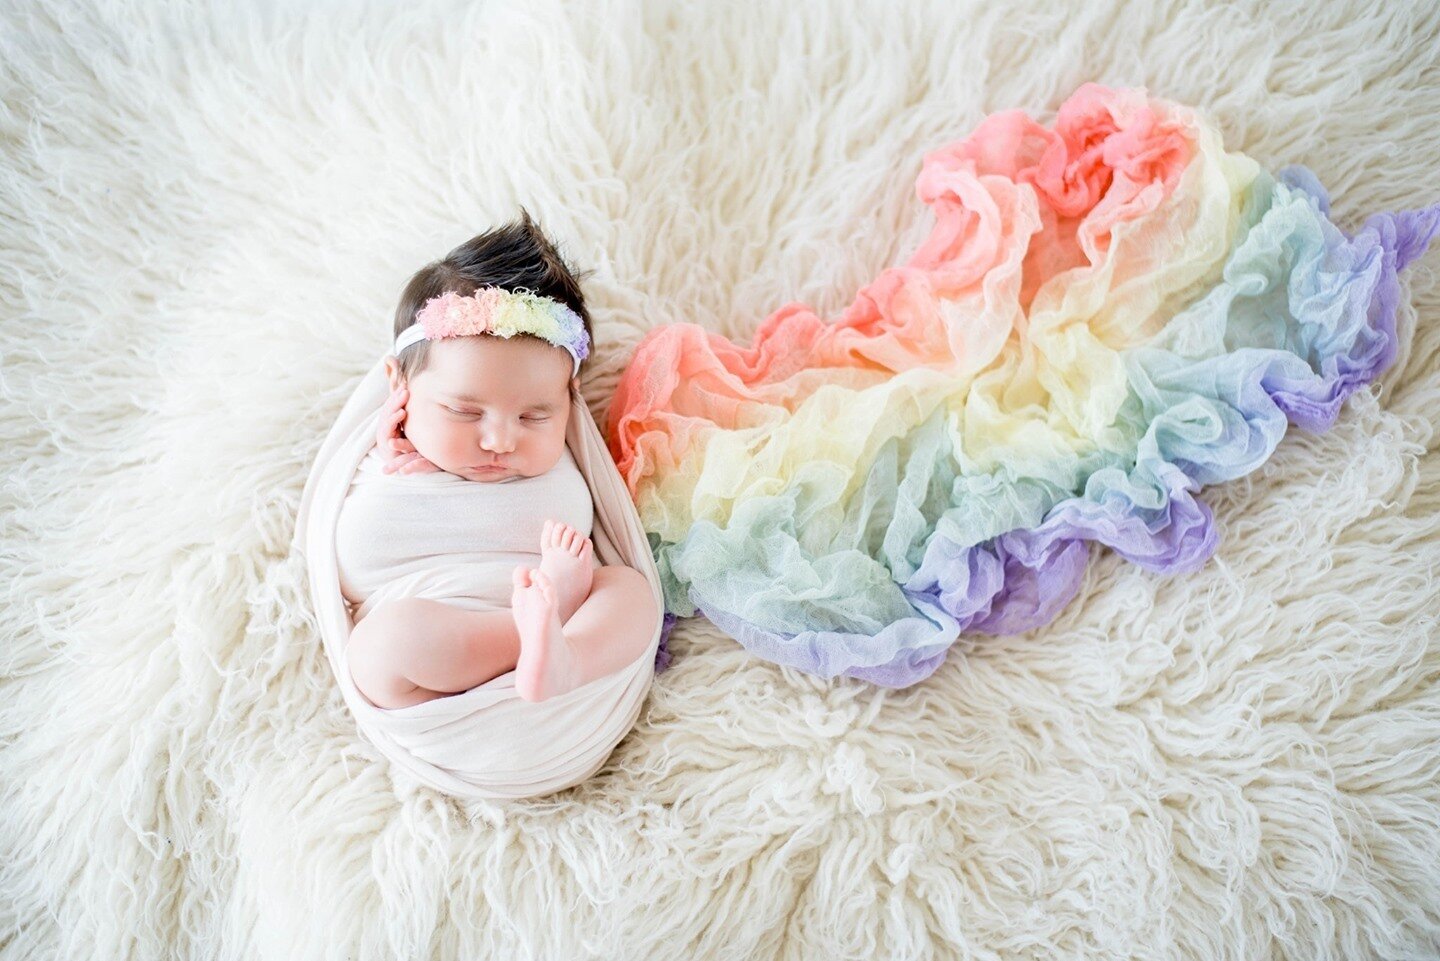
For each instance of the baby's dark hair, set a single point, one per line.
(512, 256)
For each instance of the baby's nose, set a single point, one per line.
(500, 440)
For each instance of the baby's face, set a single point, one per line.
(485, 400)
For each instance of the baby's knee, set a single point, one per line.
(377, 636)
(629, 588)
(623, 578)
(375, 653)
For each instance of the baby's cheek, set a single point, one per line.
(433, 441)
(557, 445)
(454, 445)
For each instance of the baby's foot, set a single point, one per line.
(565, 557)
(547, 665)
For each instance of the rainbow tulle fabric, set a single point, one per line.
(1107, 316)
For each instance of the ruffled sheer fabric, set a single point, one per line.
(1107, 316)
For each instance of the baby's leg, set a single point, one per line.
(607, 632)
(412, 650)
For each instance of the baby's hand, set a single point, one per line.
(402, 458)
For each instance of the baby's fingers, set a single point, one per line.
(396, 464)
(396, 401)
(388, 425)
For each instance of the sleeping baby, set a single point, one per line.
(463, 543)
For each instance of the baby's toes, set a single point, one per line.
(540, 580)
(518, 578)
(560, 534)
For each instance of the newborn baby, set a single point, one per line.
(463, 546)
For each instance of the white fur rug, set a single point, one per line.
(207, 217)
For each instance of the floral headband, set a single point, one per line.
(492, 310)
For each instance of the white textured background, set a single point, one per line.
(207, 217)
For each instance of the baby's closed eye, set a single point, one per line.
(472, 415)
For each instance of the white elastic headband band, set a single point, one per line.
(415, 333)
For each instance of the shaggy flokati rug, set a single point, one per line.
(208, 215)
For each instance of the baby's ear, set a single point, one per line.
(392, 371)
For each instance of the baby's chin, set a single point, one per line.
(486, 476)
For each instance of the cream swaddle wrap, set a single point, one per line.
(445, 538)
(486, 742)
